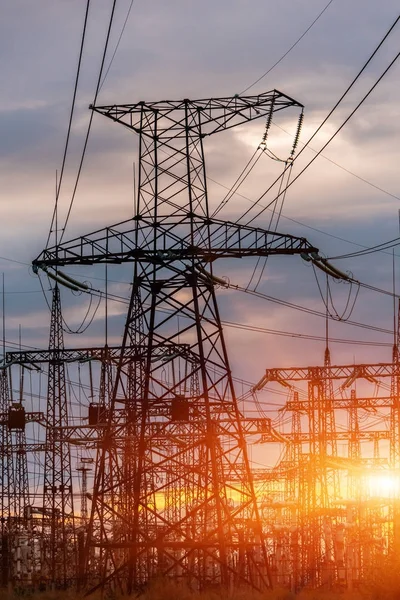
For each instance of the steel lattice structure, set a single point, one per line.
(331, 535)
(7, 480)
(58, 514)
(174, 493)
(182, 503)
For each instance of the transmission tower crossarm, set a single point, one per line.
(28, 448)
(214, 114)
(348, 372)
(341, 436)
(366, 403)
(214, 239)
(82, 355)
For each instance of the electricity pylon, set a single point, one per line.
(58, 514)
(192, 510)
(7, 480)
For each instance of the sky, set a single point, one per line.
(179, 49)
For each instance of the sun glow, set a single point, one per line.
(384, 485)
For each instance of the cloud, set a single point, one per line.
(170, 50)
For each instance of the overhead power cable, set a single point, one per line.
(274, 229)
(22, 292)
(373, 185)
(297, 222)
(332, 136)
(125, 301)
(90, 122)
(288, 51)
(117, 45)
(240, 179)
(304, 336)
(384, 246)
(326, 119)
(349, 307)
(70, 121)
(307, 310)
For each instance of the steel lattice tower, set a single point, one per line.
(57, 488)
(21, 484)
(354, 446)
(395, 409)
(19, 493)
(192, 511)
(84, 467)
(7, 479)
(395, 432)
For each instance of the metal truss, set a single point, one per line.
(340, 534)
(7, 483)
(110, 354)
(14, 477)
(223, 240)
(58, 517)
(215, 114)
(173, 492)
(347, 372)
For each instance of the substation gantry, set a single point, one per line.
(327, 527)
(38, 542)
(175, 496)
(15, 534)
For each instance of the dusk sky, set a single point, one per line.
(174, 50)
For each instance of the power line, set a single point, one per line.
(297, 222)
(118, 43)
(290, 49)
(292, 334)
(23, 292)
(311, 311)
(123, 300)
(335, 134)
(378, 248)
(70, 121)
(282, 184)
(329, 115)
(240, 179)
(373, 185)
(90, 123)
(18, 262)
(285, 303)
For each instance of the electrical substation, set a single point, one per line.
(152, 476)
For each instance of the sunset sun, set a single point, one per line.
(386, 485)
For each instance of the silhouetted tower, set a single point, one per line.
(17, 427)
(84, 467)
(321, 480)
(295, 485)
(20, 567)
(395, 395)
(354, 447)
(58, 518)
(103, 521)
(293, 452)
(394, 540)
(184, 418)
(6, 462)
(7, 479)
(328, 415)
